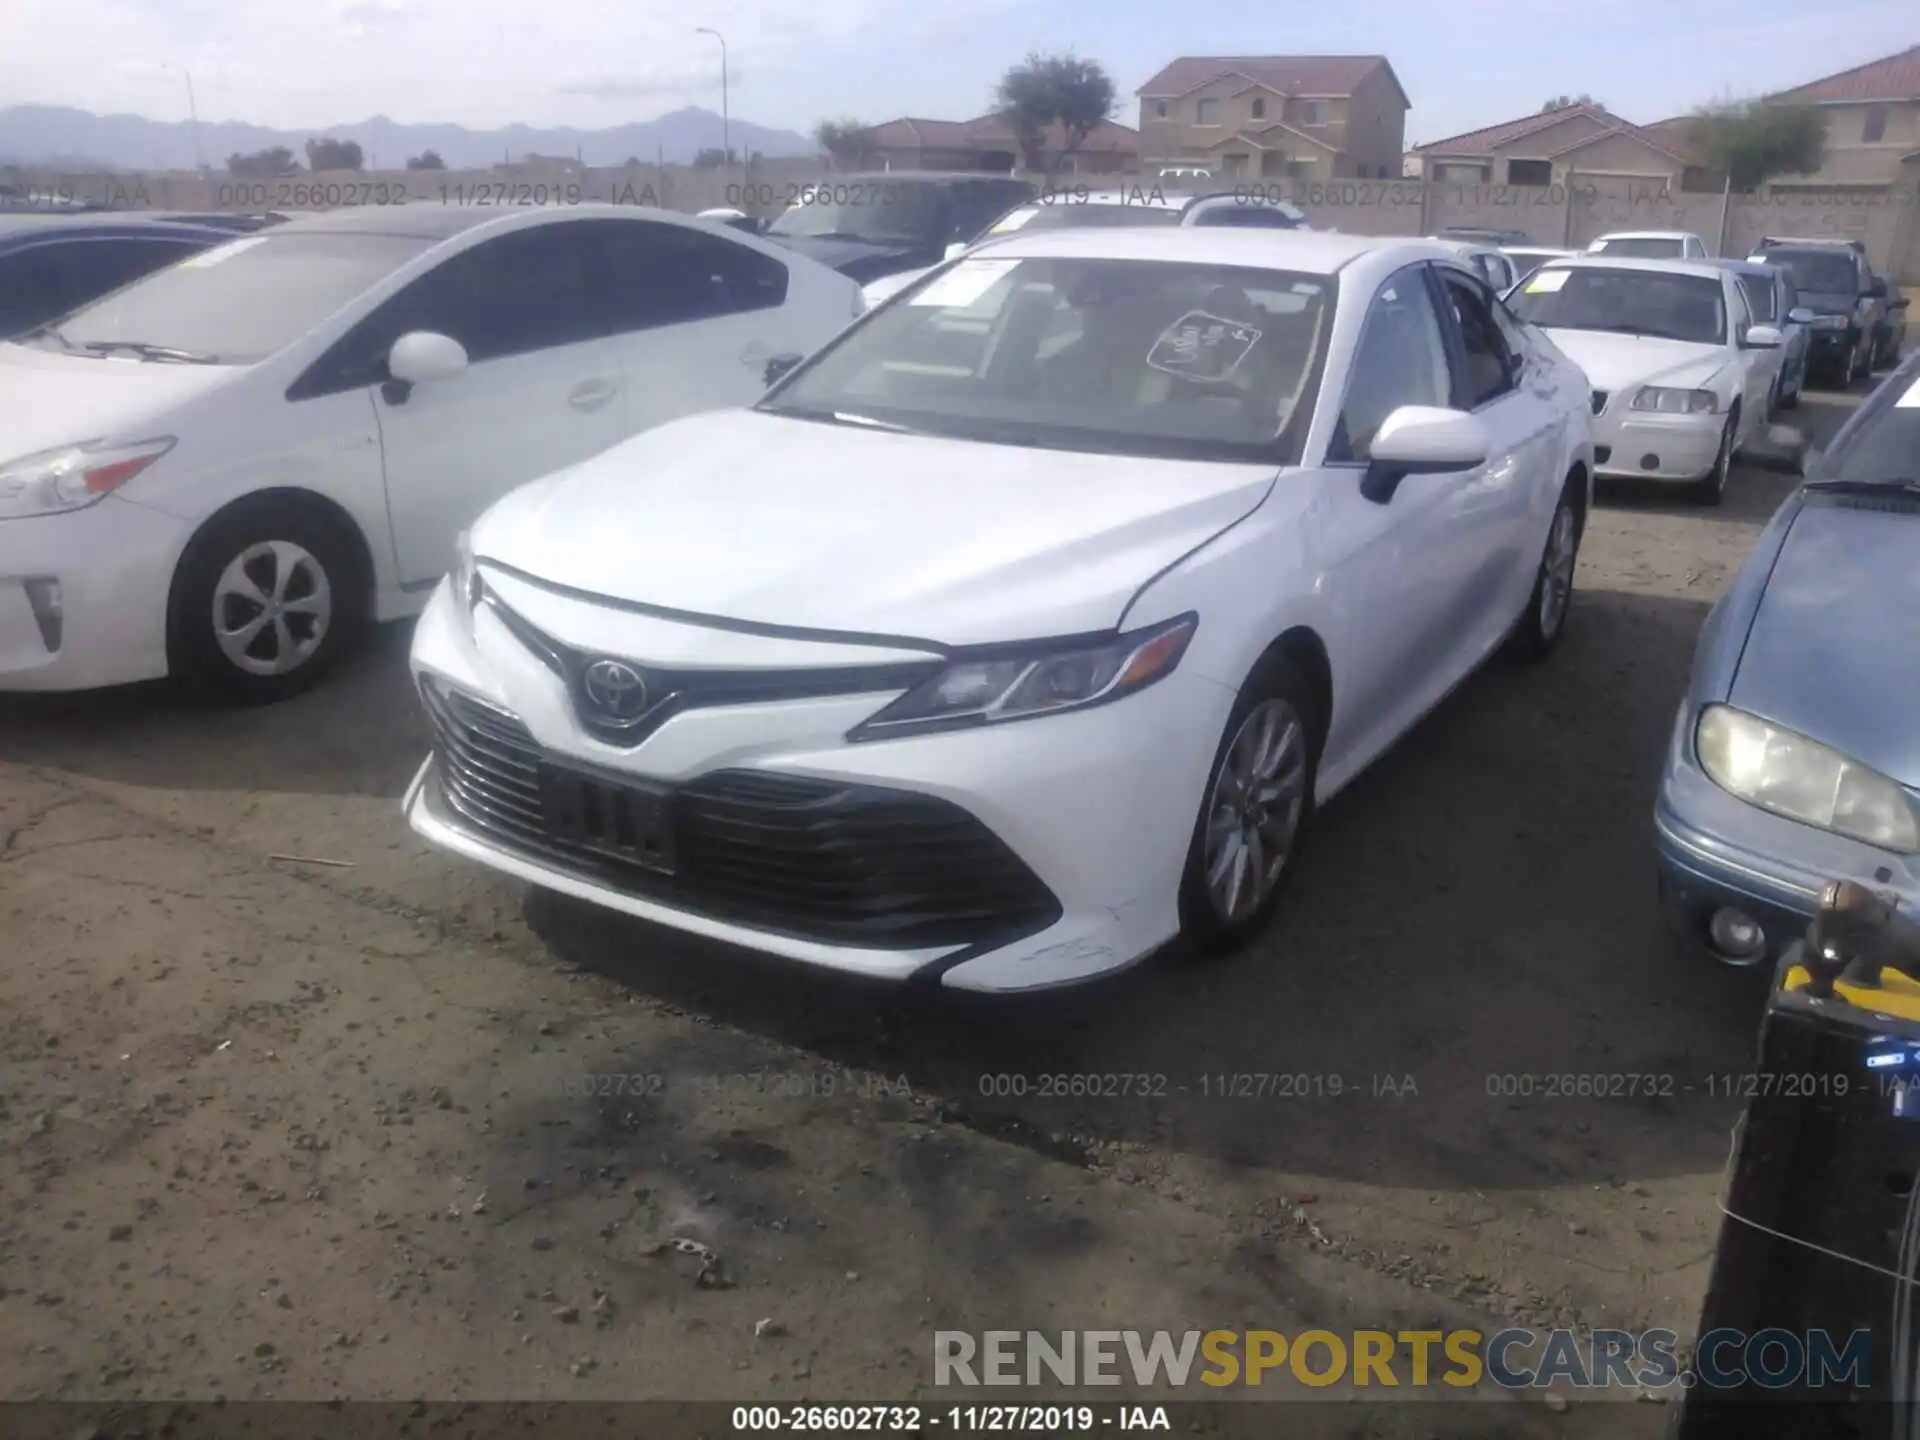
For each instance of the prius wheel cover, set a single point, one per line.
(1556, 571)
(1254, 811)
(271, 608)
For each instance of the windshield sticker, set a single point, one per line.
(1910, 400)
(1013, 222)
(221, 252)
(1547, 281)
(963, 284)
(1202, 347)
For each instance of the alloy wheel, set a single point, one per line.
(1556, 571)
(271, 608)
(1253, 814)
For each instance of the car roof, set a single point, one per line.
(1315, 252)
(421, 220)
(1746, 267)
(1538, 250)
(1646, 235)
(927, 177)
(1705, 269)
(38, 228)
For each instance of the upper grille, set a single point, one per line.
(819, 859)
(1599, 401)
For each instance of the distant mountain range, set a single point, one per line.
(53, 135)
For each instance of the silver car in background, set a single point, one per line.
(1795, 757)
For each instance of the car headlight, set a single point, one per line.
(1831, 322)
(1676, 402)
(1039, 679)
(1785, 772)
(73, 476)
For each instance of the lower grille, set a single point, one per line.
(818, 859)
(1599, 401)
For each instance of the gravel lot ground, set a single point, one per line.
(275, 1128)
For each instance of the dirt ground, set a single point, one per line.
(274, 1128)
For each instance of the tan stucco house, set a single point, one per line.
(1873, 123)
(1557, 147)
(1303, 117)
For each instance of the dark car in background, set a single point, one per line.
(1859, 320)
(1795, 758)
(51, 264)
(870, 225)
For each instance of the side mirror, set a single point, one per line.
(423, 355)
(1762, 337)
(955, 250)
(1422, 440)
(1800, 315)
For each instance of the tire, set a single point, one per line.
(1713, 489)
(1544, 621)
(1791, 399)
(273, 548)
(1278, 707)
(1859, 366)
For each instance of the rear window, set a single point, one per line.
(1832, 271)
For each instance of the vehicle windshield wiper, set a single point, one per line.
(49, 332)
(1904, 483)
(147, 351)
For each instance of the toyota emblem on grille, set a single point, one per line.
(616, 689)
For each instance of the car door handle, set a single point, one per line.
(591, 394)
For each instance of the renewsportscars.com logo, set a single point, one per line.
(1512, 1359)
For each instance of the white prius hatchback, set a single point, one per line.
(220, 472)
(1682, 372)
(1021, 629)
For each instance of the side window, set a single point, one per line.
(1789, 297)
(1489, 363)
(1401, 360)
(1739, 317)
(665, 274)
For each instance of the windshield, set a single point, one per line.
(1642, 247)
(1759, 292)
(1817, 270)
(1883, 447)
(1118, 356)
(1632, 302)
(867, 210)
(1074, 217)
(240, 302)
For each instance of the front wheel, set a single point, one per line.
(1545, 618)
(265, 600)
(1258, 800)
(1713, 489)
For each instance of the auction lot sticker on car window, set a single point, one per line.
(1013, 222)
(1910, 400)
(963, 284)
(221, 252)
(1547, 281)
(1202, 347)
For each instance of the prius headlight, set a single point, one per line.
(1669, 401)
(1039, 679)
(72, 477)
(1785, 772)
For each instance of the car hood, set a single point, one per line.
(1829, 302)
(861, 260)
(1832, 642)
(1613, 362)
(816, 526)
(49, 399)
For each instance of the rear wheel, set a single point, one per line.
(265, 600)
(1258, 801)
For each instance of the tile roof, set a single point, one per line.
(1892, 77)
(908, 131)
(1490, 138)
(1288, 74)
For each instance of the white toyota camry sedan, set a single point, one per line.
(1021, 629)
(1682, 372)
(220, 472)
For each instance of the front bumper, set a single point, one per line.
(1679, 447)
(1829, 349)
(1716, 850)
(113, 562)
(1095, 808)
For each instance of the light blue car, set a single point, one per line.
(1774, 301)
(1795, 757)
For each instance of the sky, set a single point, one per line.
(591, 63)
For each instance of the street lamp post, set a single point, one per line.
(726, 142)
(193, 113)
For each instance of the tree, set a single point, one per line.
(278, 160)
(426, 160)
(1047, 89)
(847, 142)
(1561, 102)
(334, 155)
(1750, 143)
(712, 158)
